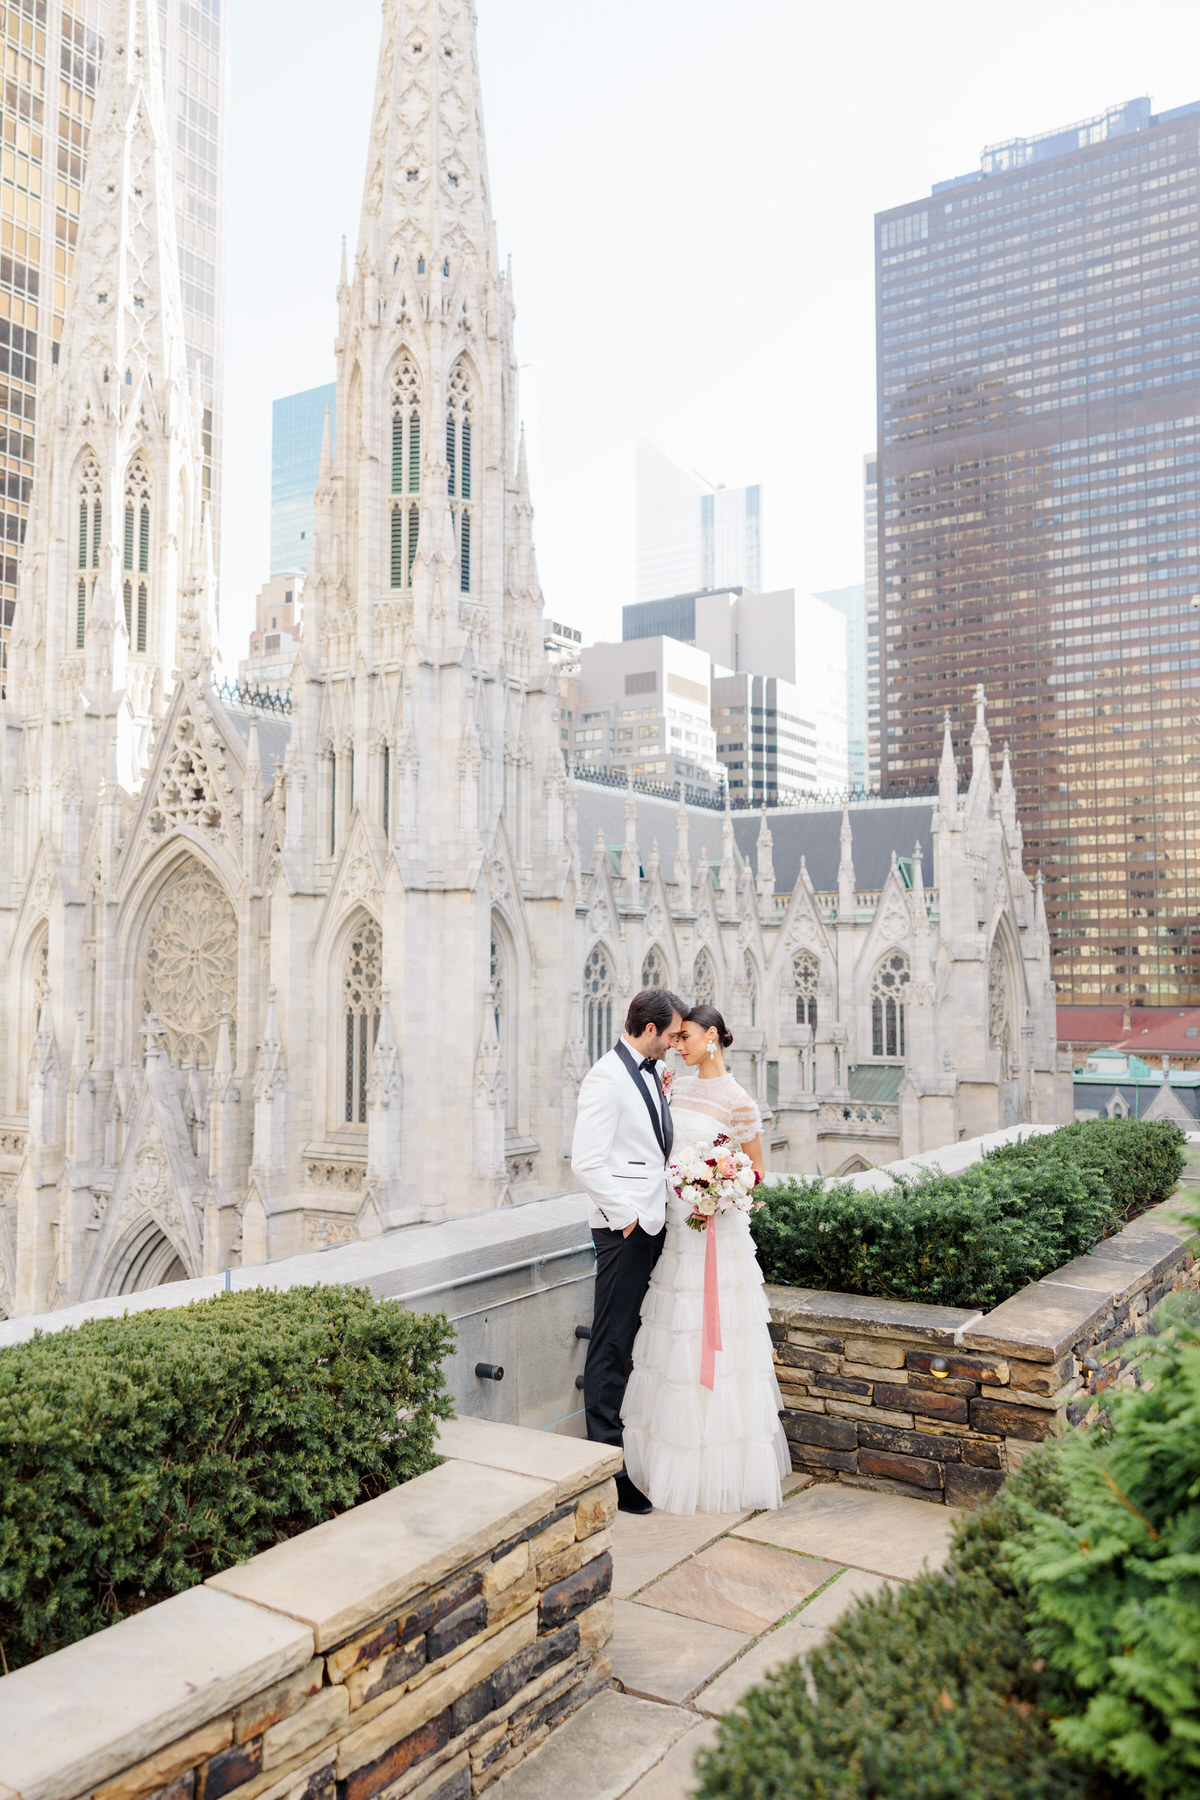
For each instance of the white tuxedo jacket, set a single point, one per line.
(616, 1156)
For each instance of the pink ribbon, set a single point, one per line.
(710, 1337)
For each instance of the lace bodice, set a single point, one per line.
(702, 1110)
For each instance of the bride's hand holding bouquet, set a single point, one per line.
(712, 1179)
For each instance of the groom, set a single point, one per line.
(623, 1136)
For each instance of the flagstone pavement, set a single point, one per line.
(704, 1606)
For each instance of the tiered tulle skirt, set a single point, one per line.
(687, 1448)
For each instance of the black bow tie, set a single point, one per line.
(647, 1064)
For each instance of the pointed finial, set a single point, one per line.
(345, 282)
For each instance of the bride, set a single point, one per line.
(689, 1447)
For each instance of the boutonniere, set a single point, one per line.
(668, 1082)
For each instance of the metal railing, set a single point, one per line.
(254, 699)
(823, 799)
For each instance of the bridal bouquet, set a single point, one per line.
(713, 1178)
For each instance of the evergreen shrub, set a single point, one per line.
(972, 1239)
(140, 1455)
(1057, 1655)
(1114, 1572)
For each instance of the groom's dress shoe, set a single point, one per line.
(629, 1498)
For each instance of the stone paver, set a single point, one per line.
(664, 1657)
(696, 1626)
(833, 1601)
(598, 1754)
(646, 1548)
(740, 1585)
(674, 1777)
(886, 1533)
(792, 1639)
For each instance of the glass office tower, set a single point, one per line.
(297, 426)
(851, 602)
(1038, 459)
(692, 536)
(52, 55)
(871, 564)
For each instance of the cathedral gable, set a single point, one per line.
(189, 787)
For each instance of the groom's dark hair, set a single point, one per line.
(652, 1006)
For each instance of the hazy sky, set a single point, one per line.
(686, 189)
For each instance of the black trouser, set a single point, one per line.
(623, 1269)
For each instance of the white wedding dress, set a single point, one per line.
(686, 1448)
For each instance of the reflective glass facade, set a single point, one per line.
(1038, 336)
(52, 54)
(851, 602)
(690, 534)
(297, 426)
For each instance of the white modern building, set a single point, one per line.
(275, 639)
(691, 534)
(797, 642)
(851, 602)
(646, 708)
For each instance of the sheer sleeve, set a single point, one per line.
(744, 1117)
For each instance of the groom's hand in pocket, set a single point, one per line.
(629, 1228)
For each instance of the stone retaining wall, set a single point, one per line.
(420, 1644)
(863, 1404)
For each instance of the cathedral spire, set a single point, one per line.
(125, 318)
(114, 593)
(427, 206)
(947, 775)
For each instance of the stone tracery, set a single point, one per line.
(189, 970)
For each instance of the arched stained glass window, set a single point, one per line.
(888, 987)
(362, 980)
(406, 471)
(459, 428)
(136, 553)
(597, 1004)
(654, 969)
(704, 981)
(806, 978)
(91, 530)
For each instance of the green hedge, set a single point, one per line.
(973, 1239)
(1139, 1160)
(139, 1455)
(1055, 1657)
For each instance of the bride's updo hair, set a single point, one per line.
(709, 1019)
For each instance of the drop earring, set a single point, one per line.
(712, 1048)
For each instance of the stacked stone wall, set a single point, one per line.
(941, 1403)
(420, 1645)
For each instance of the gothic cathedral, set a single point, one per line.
(283, 971)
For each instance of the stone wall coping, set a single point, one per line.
(1046, 1319)
(349, 1571)
(572, 1464)
(818, 1309)
(1040, 1323)
(97, 1707)
(1121, 1270)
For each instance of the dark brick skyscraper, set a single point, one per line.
(1038, 334)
